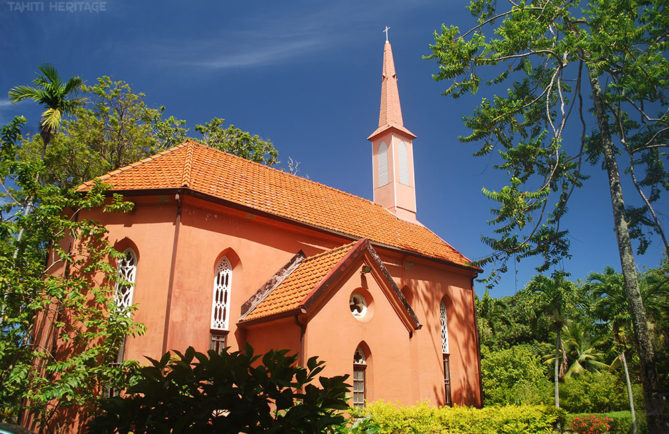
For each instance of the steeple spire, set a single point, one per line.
(392, 148)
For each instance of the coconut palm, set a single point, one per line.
(581, 347)
(555, 295)
(608, 288)
(52, 93)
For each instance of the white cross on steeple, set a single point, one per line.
(386, 30)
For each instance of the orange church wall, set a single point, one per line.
(334, 334)
(404, 369)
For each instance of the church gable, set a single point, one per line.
(311, 283)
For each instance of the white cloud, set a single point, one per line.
(277, 37)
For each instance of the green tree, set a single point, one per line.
(557, 294)
(227, 392)
(611, 307)
(114, 129)
(237, 142)
(57, 290)
(581, 349)
(514, 376)
(51, 92)
(555, 54)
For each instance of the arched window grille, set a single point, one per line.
(127, 268)
(220, 304)
(445, 352)
(359, 386)
(123, 294)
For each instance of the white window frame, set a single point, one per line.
(220, 303)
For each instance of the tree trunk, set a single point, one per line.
(644, 345)
(629, 392)
(557, 369)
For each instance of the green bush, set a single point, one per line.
(621, 421)
(386, 418)
(514, 376)
(227, 392)
(596, 392)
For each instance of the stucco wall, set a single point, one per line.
(258, 247)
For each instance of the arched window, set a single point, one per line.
(220, 304)
(445, 351)
(403, 153)
(359, 387)
(127, 268)
(382, 164)
(123, 294)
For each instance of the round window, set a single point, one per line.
(358, 305)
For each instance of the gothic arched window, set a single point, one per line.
(220, 304)
(359, 387)
(126, 270)
(445, 352)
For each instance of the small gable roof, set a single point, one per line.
(221, 176)
(308, 279)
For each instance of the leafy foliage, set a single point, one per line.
(50, 91)
(423, 418)
(57, 286)
(116, 128)
(226, 392)
(552, 56)
(514, 376)
(597, 392)
(619, 421)
(237, 142)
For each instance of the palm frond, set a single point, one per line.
(49, 75)
(19, 93)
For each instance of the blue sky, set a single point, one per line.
(306, 75)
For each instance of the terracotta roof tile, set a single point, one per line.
(297, 287)
(234, 179)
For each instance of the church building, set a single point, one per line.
(223, 251)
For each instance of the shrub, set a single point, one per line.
(620, 421)
(422, 418)
(590, 424)
(514, 376)
(596, 392)
(226, 392)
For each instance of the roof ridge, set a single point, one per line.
(133, 165)
(188, 168)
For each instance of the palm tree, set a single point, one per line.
(582, 349)
(51, 92)
(555, 294)
(608, 288)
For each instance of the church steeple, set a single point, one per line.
(392, 148)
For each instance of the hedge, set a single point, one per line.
(385, 418)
